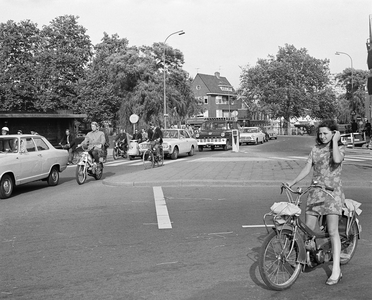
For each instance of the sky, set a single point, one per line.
(220, 35)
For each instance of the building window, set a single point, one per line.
(206, 100)
(219, 113)
(219, 100)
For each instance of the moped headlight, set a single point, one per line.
(222, 134)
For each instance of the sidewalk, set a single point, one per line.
(230, 169)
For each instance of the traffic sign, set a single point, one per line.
(133, 118)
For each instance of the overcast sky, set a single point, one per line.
(221, 35)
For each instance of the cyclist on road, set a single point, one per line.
(156, 139)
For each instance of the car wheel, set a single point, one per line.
(175, 153)
(6, 186)
(53, 177)
(191, 153)
(224, 147)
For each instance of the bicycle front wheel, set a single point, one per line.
(278, 264)
(148, 159)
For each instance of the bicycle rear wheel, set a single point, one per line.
(160, 160)
(278, 264)
(148, 159)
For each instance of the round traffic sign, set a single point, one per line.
(133, 118)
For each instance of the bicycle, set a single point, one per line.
(291, 245)
(150, 157)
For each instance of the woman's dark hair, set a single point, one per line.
(330, 124)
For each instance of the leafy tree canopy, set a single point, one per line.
(290, 84)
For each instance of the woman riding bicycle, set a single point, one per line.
(326, 160)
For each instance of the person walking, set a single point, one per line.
(326, 159)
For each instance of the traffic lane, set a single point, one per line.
(214, 218)
(104, 241)
(83, 242)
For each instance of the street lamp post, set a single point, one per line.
(180, 32)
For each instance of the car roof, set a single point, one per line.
(21, 135)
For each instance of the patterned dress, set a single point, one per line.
(329, 175)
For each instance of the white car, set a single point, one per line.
(178, 141)
(251, 135)
(26, 158)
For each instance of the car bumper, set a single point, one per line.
(212, 142)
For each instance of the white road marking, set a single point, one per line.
(256, 226)
(161, 209)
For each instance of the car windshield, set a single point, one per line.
(8, 144)
(250, 130)
(215, 125)
(170, 134)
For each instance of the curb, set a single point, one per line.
(217, 183)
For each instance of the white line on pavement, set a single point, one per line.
(161, 209)
(256, 226)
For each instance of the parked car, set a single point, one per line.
(272, 134)
(251, 135)
(178, 141)
(26, 158)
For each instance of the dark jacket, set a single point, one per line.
(71, 141)
(157, 135)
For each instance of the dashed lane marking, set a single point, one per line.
(161, 209)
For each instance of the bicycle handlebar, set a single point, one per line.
(312, 185)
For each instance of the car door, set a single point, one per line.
(31, 161)
(43, 152)
(183, 141)
(188, 141)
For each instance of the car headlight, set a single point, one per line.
(222, 134)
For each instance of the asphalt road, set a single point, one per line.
(99, 241)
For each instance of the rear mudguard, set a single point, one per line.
(300, 242)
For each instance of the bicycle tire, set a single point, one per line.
(115, 154)
(148, 159)
(349, 244)
(160, 160)
(278, 264)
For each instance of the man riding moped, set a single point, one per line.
(94, 140)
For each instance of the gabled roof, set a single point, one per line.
(215, 83)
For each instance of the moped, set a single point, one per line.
(118, 151)
(86, 166)
(292, 246)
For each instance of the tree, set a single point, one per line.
(291, 84)
(19, 47)
(354, 83)
(98, 96)
(65, 53)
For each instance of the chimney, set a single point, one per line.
(217, 74)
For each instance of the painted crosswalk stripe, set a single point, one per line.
(161, 209)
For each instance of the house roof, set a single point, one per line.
(216, 84)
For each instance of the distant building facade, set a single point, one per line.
(216, 95)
